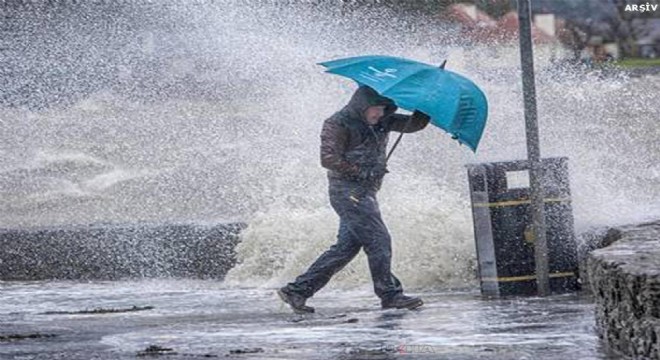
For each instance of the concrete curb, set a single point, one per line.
(118, 251)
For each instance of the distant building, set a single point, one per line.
(648, 47)
(648, 44)
(478, 28)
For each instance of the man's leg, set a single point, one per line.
(334, 259)
(378, 246)
(328, 264)
(370, 229)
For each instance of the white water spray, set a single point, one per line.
(212, 113)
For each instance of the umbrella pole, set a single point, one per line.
(405, 127)
(533, 151)
(394, 146)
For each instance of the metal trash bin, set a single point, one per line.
(500, 196)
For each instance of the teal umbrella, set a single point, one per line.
(454, 103)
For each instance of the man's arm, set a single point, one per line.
(334, 139)
(408, 123)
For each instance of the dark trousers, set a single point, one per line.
(360, 226)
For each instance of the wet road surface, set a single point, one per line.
(203, 319)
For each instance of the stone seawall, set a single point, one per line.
(625, 281)
(110, 252)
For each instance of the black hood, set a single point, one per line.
(364, 97)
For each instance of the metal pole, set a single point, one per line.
(533, 152)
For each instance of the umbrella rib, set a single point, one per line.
(403, 79)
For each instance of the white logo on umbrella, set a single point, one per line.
(378, 75)
(389, 72)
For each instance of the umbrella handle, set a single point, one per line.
(393, 147)
(405, 127)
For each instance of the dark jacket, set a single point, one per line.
(349, 143)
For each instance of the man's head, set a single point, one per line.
(374, 113)
(371, 106)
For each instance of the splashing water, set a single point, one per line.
(211, 112)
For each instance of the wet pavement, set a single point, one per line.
(181, 319)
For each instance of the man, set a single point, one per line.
(353, 149)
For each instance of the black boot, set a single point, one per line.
(295, 301)
(401, 301)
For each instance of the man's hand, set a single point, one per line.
(420, 116)
(378, 171)
(371, 173)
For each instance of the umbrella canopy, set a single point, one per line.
(453, 102)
